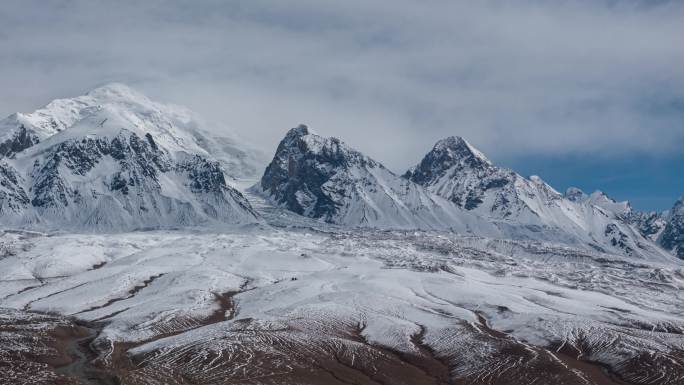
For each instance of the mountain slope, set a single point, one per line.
(118, 162)
(456, 171)
(323, 178)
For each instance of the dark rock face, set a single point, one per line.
(649, 224)
(446, 154)
(297, 175)
(458, 172)
(617, 238)
(139, 165)
(12, 196)
(120, 182)
(21, 140)
(672, 237)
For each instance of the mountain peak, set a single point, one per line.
(602, 200)
(458, 148)
(447, 153)
(575, 194)
(299, 131)
(303, 141)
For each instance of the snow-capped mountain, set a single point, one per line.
(672, 236)
(456, 171)
(174, 127)
(323, 178)
(114, 160)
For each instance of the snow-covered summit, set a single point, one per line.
(61, 114)
(458, 147)
(114, 160)
(600, 199)
(106, 110)
(448, 153)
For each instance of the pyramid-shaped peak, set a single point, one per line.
(302, 139)
(456, 147)
(446, 154)
(451, 141)
(299, 131)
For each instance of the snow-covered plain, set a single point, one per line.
(482, 307)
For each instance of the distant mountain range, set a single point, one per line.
(113, 160)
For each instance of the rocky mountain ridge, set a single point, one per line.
(664, 228)
(323, 178)
(455, 187)
(458, 172)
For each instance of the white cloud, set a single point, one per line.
(389, 77)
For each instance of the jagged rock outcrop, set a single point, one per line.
(672, 236)
(16, 141)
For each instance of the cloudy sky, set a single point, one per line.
(582, 92)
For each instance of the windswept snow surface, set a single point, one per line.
(481, 307)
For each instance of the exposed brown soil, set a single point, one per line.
(288, 361)
(592, 371)
(252, 354)
(121, 365)
(62, 352)
(31, 346)
(81, 355)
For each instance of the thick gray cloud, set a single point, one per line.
(389, 77)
